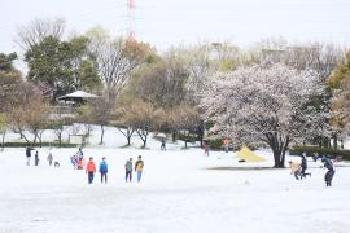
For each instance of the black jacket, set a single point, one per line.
(28, 152)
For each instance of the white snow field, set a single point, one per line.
(177, 194)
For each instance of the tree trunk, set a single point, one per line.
(319, 141)
(186, 138)
(3, 140)
(278, 144)
(144, 142)
(35, 139)
(173, 136)
(277, 155)
(129, 140)
(60, 138)
(102, 134)
(335, 141)
(88, 131)
(143, 136)
(329, 141)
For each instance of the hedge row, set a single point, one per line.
(311, 150)
(43, 144)
(216, 144)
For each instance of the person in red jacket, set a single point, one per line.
(90, 170)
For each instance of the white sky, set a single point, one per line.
(167, 22)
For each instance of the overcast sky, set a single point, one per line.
(167, 22)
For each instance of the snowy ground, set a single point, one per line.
(178, 194)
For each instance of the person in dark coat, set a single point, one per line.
(50, 158)
(36, 158)
(163, 146)
(304, 166)
(128, 170)
(328, 177)
(28, 155)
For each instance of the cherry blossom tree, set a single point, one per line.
(265, 103)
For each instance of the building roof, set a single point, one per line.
(79, 94)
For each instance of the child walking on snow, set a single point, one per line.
(139, 168)
(90, 170)
(128, 170)
(104, 170)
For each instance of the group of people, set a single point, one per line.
(78, 162)
(91, 170)
(36, 157)
(299, 169)
(103, 168)
(78, 159)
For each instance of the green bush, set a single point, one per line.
(43, 144)
(190, 138)
(216, 144)
(311, 150)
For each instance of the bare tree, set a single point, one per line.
(37, 30)
(116, 59)
(140, 116)
(100, 110)
(128, 132)
(30, 119)
(186, 119)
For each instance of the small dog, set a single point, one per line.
(56, 164)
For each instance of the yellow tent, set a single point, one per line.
(249, 156)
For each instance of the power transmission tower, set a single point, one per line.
(131, 8)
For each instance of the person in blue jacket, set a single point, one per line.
(104, 170)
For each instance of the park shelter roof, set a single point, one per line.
(78, 95)
(81, 94)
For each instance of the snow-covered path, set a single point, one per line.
(178, 194)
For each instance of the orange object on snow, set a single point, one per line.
(91, 167)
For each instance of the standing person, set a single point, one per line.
(90, 170)
(296, 169)
(80, 152)
(80, 158)
(75, 161)
(303, 164)
(206, 148)
(328, 177)
(163, 147)
(104, 170)
(36, 158)
(226, 142)
(128, 170)
(50, 158)
(139, 168)
(28, 155)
